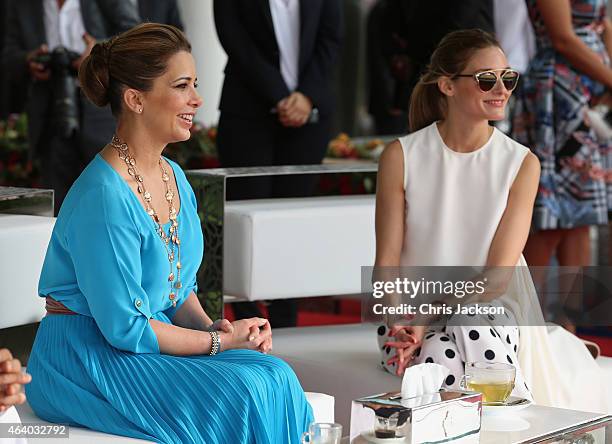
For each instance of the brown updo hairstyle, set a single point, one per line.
(133, 59)
(453, 53)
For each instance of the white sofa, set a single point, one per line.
(24, 241)
(322, 405)
(287, 248)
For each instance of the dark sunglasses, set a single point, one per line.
(486, 80)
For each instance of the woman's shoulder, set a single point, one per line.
(98, 190)
(510, 145)
(401, 147)
(98, 174)
(418, 135)
(522, 162)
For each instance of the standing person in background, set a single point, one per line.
(514, 32)
(407, 32)
(515, 35)
(160, 11)
(277, 103)
(569, 73)
(63, 142)
(390, 70)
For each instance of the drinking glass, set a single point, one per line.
(323, 433)
(495, 380)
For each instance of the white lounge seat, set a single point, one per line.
(322, 406)
(271, 245)
(24, 241)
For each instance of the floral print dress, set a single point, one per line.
(549, 117)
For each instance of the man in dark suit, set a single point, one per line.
(160, 11)
(402, 35)
(276, 103)
(62, 156)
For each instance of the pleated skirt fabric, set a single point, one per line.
(238, 396)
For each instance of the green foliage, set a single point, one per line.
(16, 169)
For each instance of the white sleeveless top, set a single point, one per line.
(455, 201)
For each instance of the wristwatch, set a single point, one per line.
(314, 115)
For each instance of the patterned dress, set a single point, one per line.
(576, 180)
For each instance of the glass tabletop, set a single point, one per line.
(539, 424)
(33, 201)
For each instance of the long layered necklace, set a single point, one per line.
(172, 243)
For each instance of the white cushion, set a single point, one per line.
(344, 361)
(322, 406)
(77, 435)
(285, 248)
(24, 241)
(605, 363)
(11, 416)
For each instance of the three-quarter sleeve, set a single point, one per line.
(104, 244)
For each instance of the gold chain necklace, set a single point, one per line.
(171, 243)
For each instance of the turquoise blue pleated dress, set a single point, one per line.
(102, 367)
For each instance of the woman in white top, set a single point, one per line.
(458, 192)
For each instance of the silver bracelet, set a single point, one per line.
(216, 343)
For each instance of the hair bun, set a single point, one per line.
(133, 59)
(94, 74)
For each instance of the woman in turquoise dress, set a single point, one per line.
(126, 347)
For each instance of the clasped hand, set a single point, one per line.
(294, 110)
(408, 338)
(11, 380)
(250, 334)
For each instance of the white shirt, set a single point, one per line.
(286, 20)
(514, 32)
(64, 27)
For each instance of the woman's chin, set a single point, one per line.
(180, 136)
(496, 116)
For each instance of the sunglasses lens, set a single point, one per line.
(510, 80)
(486, 81)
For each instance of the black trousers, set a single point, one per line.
(62, 159)
(246, 141)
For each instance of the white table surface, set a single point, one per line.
(531, 423)
(527, 426)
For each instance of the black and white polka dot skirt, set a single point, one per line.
(453, 345)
